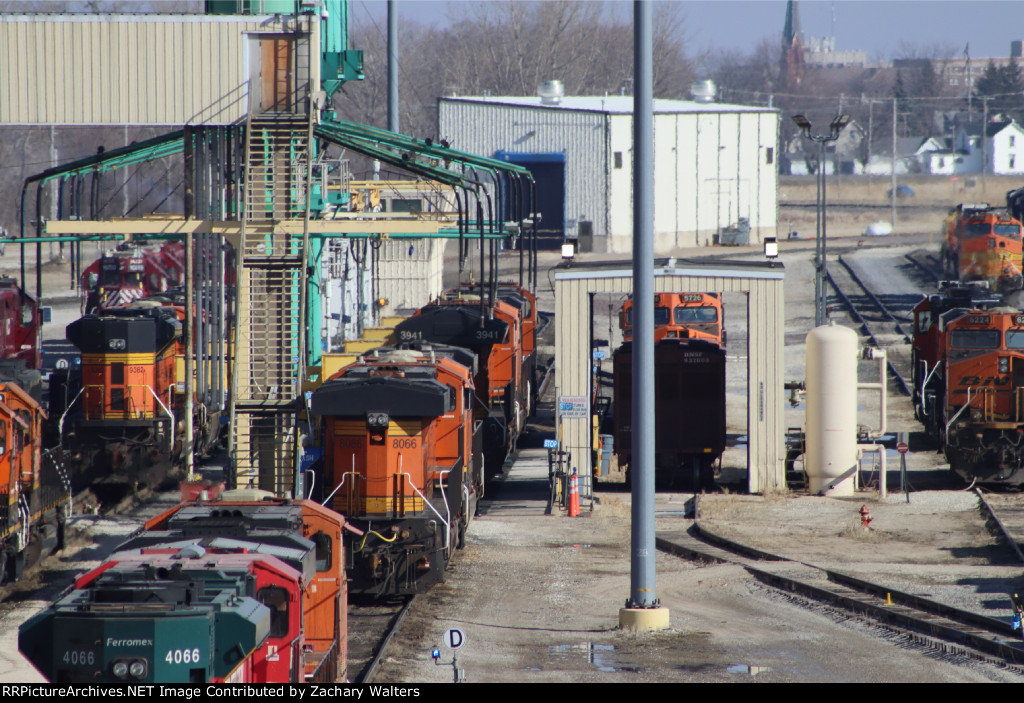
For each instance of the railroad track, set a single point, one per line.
(914, 620)
(877, 321)
(371, 628)
(1006, 511)
(927, 264)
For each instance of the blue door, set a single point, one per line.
(548, 171)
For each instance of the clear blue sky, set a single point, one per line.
(874, 26)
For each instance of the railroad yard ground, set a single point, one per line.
(538, 596)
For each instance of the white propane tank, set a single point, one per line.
(831, 451)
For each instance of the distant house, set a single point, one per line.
(1001, 150)
(913, 155)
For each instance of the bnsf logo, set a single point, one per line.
(974, 381)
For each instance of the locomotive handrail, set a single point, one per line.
(447, 523)
(447, 508)
(924, 384)
(960, 411)
(169, 414)
(60, 423)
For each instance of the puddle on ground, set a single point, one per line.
(600, 655)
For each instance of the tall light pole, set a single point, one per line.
(820, 262)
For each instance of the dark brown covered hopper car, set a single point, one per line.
(689, 402)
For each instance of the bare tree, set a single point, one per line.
(508, 47)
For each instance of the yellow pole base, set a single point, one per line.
(644, 619)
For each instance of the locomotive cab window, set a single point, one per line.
(977, 230)
(974, 339)
(696, 314)
(324, 551)
(661, 316)
(275, 598)
(924, 321)
(1012, 231)
(26, 315)
(1015, 339)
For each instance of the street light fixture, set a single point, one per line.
(820, 262)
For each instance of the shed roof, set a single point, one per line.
(611, 104)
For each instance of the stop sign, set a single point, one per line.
(902, 447)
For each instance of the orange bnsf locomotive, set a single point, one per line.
(982, 243)
(245, 589)
(500, 327)
(35, 494)
(968, 355)
(122, 413)
(681, 316)
(132, 272)
(689, 378)
(402, 461)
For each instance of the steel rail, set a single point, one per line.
(923, 267)
(370, 670)
(1010, 538)
(942, 627)
(901, 382)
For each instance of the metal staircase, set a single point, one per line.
(269, 349)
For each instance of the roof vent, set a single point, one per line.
(703, 91)
(551, 92)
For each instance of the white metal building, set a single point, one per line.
(714, 163)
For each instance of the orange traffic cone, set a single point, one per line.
(574, 496)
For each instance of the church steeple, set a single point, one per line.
(791, 63)
(792, 31)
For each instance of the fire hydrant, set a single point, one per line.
(865, 516)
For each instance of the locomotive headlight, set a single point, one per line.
(1004, 364)
(116, 344)
(138, 668)
(377, 420)
(120, 668)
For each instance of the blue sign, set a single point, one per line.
(551, 444)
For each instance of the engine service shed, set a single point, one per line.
(763, 284)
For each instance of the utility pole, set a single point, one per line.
(392, 66)
(643, 611)
(892, 169)
(984, 142)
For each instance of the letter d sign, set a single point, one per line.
(453, 638)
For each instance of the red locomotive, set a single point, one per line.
(246, 589)
(132, 271)
(402, 461)
(968, 355)
(21, 331)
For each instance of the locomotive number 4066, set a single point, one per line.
(182, 656)
(79, 656)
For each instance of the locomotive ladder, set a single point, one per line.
(270, 306)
